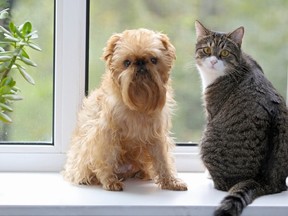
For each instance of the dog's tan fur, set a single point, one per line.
(123, 127)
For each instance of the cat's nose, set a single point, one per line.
(213, 61)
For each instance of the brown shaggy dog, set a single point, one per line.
(123, 127)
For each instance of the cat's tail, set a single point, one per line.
(242, 194)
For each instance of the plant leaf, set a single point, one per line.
(3, 52)
(8, 81)
(34, 46)
(5, 58)
(12, 27)
(25, 75)
(24, 53)
(28, 61)
(12, 97)
(27, 28)
(32, 35)
(5, 30)
(16, 89)
(5, 90)
(5, 118)
(3, 67)
(4, 14)
(6, 107)
(19, 33)
(10, 38)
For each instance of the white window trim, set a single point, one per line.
(47, 194)
(70, 54)
(69, 91)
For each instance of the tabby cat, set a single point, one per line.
(245, 142)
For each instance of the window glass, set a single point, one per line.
(266, 39)
(33, 116)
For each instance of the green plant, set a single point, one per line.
(13, 57)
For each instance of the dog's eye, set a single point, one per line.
(127, 63)
(154, 60)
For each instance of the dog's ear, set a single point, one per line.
(168, 46)
(110, 46)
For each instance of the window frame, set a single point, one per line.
(70, 85)
(68, 40)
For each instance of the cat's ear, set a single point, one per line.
(201, 31)
(237, 35)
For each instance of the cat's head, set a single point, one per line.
(217, 54)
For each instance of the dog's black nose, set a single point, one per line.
(140, 62)
(141, 66)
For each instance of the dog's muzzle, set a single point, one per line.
(141, 67)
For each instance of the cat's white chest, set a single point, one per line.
(210, 69)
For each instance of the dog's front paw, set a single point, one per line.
(174, 184)
(114, 186)
(142, 175)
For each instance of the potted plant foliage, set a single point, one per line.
(16, 40)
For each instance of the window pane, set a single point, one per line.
(33, 116)
(266, 39)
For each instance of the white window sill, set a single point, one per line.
(48, 194)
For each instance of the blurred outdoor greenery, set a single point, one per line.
(266, 39)
(33, 116)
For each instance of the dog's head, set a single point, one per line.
(140, 62)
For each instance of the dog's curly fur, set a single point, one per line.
(123, 127)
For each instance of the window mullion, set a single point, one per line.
(70, 66)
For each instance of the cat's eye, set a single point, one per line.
(154, 60)
(224, 53)
(207, 50)
(127, 63)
